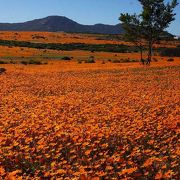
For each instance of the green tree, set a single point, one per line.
(155, 17)
(133, 31)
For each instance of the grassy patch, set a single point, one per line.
(119, 48)
(32, 61)
(124, 60)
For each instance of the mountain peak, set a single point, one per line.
(55, 17)
(56, 23)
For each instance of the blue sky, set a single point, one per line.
(82, 11)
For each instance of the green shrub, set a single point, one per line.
(3, 62)
(24, 62)
(170, 60)
(91, 59)
(155, 60)
(12, 62)
(66, 58)
(37, 62)
(116, 48)
(172, 52)
(79, 61)
(2, 70)
(32, 61)
(133, 60)
(116, 61)
(124, 60)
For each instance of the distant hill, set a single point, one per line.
(61, 23)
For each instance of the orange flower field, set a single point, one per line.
(48, 37)
(83, 121)
(65, 38)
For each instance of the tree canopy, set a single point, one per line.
(155, 17)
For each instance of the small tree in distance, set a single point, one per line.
(155, 17)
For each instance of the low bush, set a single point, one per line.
(134, 60)
(91, 59)
(7, 62)
(79, 61)
(155, 60)
(66, 58)
(116, 61)
(24, 62)
(130, 60)
(37, 62)
(12, 62)
(124, 61)
(2, 70)
(116, 48)
(31, 61)
(170, 60)
(172, 52)
(3, 62)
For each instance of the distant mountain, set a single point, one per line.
(61, 23)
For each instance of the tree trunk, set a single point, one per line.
(142, 60)
(149, 53)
